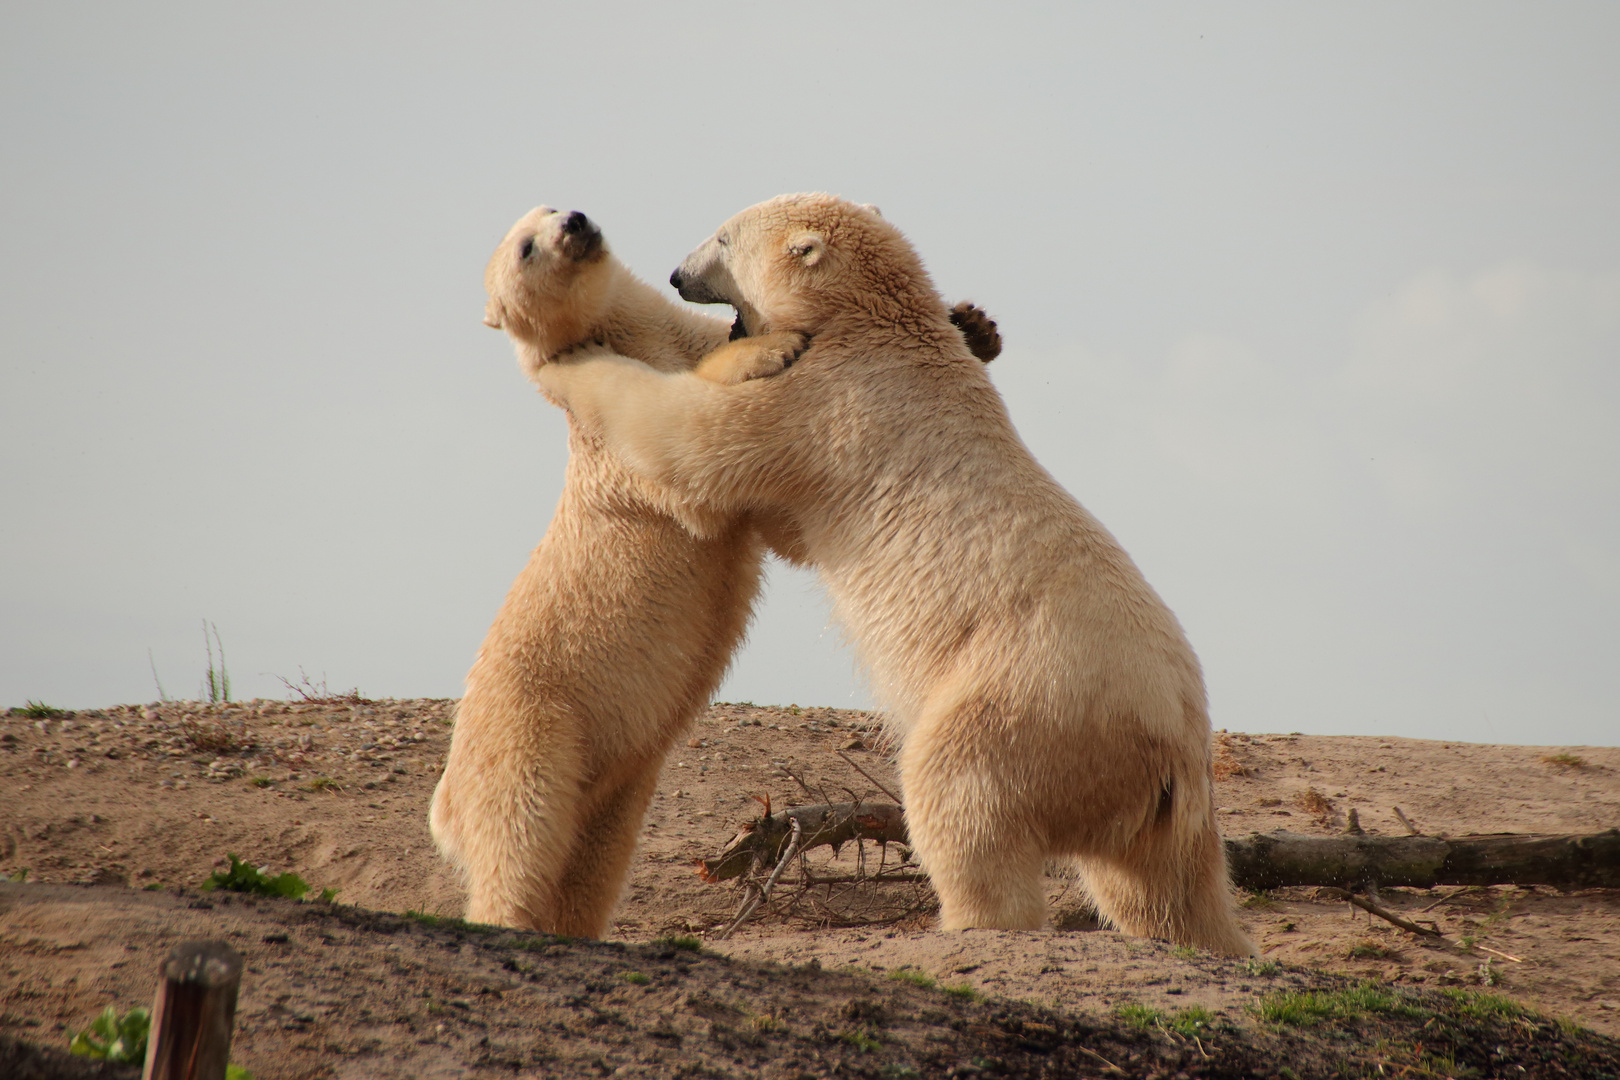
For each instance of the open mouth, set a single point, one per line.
(738, 330)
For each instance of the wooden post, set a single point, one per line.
(194, 1013)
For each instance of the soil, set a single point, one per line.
(144, 802)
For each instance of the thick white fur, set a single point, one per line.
(1046, 701)
(616, 633)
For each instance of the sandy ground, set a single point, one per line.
(152, 797)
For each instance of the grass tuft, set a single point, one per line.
(38, 710)
(1565, 762)
(208, 734)
(685, 942)
(1309, 1007)
(1187, 1022)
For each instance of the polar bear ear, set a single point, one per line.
(492, 314)
(872, 208)
(808, 247)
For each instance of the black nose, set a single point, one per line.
(676, 280)
(575, 222)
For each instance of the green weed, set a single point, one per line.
(217, 683)
(1262, 968)
(115, 1038)
(243, 878)
(261, 781)
(15, 879)
(38, 710)
(1564, 762)
(965, 992)
(1184, 952)
(636, 978)
(861, 1040)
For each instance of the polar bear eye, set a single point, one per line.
(527, 249)
(722, 241)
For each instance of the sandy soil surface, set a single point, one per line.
(146, 801)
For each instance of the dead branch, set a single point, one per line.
(761, 842)
(764, 893)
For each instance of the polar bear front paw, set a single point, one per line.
(752, 357)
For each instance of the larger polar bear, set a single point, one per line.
(620, 627)
(1045, 700)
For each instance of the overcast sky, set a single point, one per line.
(1317, 307)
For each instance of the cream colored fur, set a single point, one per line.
(616, 633)
(1045, 700)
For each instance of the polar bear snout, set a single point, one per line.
(580, 238)
(690, 279)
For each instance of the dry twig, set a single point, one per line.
(1385, 914)
(868, 775)
(1411, 828)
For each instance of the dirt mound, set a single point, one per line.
(152, 797)
(344, 992)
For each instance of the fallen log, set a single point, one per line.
(1259, 861)
(1272, 860)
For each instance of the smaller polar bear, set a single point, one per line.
(1045, 700)
(622, 624)
(612, 638)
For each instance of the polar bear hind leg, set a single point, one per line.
(1169, 883)
(973, 833)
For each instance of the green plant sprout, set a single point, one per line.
(244, 878)
(115, 1038)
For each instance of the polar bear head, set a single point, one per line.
(549, 282)
(796, 262)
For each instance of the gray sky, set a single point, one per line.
(1317, 307)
